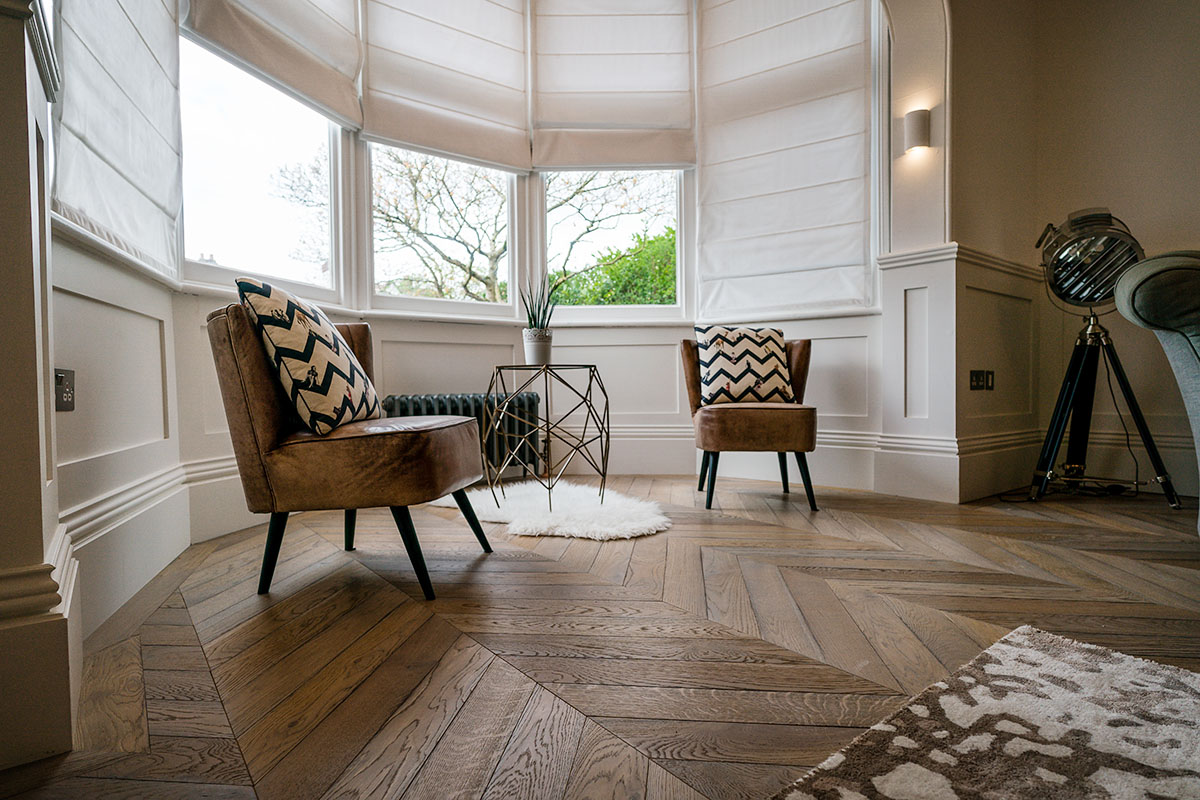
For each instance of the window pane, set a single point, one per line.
(255, 173)
(440, 226)
(610, 237)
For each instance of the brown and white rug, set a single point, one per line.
(1034, 716)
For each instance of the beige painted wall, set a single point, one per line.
(1067, 105)
(993, 124)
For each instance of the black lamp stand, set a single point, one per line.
(1075, 405)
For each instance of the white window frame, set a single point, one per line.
(679, 312)
(435, 307)
(221, 276)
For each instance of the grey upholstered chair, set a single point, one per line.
(1163, 294)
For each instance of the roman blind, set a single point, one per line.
(117, 137)
(310, 47)
(785, 98)
(613, 83)
(448, 77)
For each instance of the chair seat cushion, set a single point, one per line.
(395, 461)
(773, 427)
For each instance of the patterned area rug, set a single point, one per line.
(1034, 716)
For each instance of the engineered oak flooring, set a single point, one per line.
(719, 659)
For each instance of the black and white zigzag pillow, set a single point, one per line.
(743, 365)
(316, 366)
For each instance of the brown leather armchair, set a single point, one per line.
(394, 462)
(771, 427)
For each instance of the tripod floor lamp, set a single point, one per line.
(1083, 259)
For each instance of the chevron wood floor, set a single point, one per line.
(717, 660)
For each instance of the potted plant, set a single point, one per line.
(539, 306)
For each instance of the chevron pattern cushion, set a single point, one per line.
(742, 365)
(316, 366)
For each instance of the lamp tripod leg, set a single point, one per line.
(1075, 466)
(1139, 421)
(1058, 424)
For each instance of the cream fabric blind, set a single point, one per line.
(448, 77)
(785, 94)
(310, 47)
(117, 135)
(613, 83)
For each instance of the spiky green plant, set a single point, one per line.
(539, 306)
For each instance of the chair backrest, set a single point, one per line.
(799, 353)
(258, 412)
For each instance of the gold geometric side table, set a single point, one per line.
(589, 439)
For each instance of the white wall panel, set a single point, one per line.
(416, 367)
(120, 377)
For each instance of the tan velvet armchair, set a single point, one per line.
(762, 427)
(394, 462)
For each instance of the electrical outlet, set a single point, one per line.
(978, 380)
(64, 390)
(989, 381)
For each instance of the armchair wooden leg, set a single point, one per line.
(408, 534)
(703, 470)
(783, 472)
(802, 462)
(271, 551)
(464, 505)
(351, 518)
(712, 477)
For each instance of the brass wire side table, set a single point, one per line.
(587, 438)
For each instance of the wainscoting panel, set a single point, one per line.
(424, 367)
(120, 377)
(838, 376)
(1000, 338)
(642, 380)
(916, 352)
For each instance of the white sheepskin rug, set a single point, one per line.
(577, 511)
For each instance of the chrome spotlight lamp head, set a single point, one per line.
(1085, 257)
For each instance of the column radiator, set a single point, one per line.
(496, 446)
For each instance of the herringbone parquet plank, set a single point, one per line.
(716, 660)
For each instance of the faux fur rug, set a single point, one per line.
(577, 511)
(1034, 716)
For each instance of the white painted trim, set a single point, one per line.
(978, 258)
(1005, 440)
(209, 469)
(60, 554)
(100, 514)
(90, 242)
(924, 445)
(919, 257)
(27, 591)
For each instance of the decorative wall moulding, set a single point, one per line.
(919, 257)
(978, 258)
(27, 591)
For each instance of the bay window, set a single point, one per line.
(256, 179)
(440, 228)
(610, 237)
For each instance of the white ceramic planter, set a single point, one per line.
(537, 344)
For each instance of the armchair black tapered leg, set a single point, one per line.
(802, 462)
(712, 477)
(351, 517)
(408, 534)
(464, 505)
(271, 551)
(783, 472)
(703, 470)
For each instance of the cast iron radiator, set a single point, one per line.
(478, 406)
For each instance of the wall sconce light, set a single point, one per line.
(916, 129)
